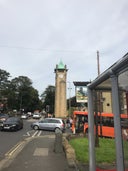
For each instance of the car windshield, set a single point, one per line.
(11, 119)
(44, 121)
(3, 115)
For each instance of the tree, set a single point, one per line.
(21, 82)
(18, 93)
(4, 79)
(27, 96)
(4, 85)
(34, 102)
(48, 98)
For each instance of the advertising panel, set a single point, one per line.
(81, 94)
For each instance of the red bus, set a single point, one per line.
(105, 122)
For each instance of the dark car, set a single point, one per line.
(12, 124)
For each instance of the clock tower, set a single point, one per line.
(60, 90)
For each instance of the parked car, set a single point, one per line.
(12, 123)
(24, 116)
(29, 114)
(52, 124)
(36, 116)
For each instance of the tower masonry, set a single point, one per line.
(60, 90)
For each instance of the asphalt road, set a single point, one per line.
(10, 139)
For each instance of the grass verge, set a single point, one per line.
(105, 153)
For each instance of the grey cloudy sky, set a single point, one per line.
(36, 34)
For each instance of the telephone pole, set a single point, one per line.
(97, 104)
(98, 63)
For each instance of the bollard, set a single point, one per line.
(58, 147)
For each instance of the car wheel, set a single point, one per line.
(35, 127)
(57, 130)
(21, 127)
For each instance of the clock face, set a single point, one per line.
(60, 75)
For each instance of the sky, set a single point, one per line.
(35, 35)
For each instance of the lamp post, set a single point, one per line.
(69, 88)
(21, 103)
(20, 99)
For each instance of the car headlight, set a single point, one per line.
(14, 125)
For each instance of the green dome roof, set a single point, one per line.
(61, 65)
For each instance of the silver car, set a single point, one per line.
(53, 124)
(36, 116)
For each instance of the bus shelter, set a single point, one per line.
(115, 81)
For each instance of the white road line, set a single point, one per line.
(39, 133)
(35, 134)
(28, 133)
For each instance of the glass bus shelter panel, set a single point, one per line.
(123, 91)
(123, 95)
(105, 85)
(104, 97)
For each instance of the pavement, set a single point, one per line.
(40, 154)
(36, 154)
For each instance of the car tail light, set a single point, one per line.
(62, 125)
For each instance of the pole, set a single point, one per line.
(69, 88)
(98, 63)
(97, 105)
(21, 103)
(117, 124)
(92, 161)
(100, 107)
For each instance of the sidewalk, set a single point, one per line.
(37, 155)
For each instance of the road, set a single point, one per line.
(10, 139)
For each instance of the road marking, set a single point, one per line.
(39, 133)
(35, 134)
(27, 134)
(13, 149)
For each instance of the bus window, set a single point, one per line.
(79, 121)
(124, 122)
(107, 121)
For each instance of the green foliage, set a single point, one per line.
(125, 145)
(105, 153)
(21, 82)
(19, 93)
(48, 98)
(81, 149)
(4, 79)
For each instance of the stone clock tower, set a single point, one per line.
(60, 90)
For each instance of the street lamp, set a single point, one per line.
(21, 103)
(69, 88)
(20, 99)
